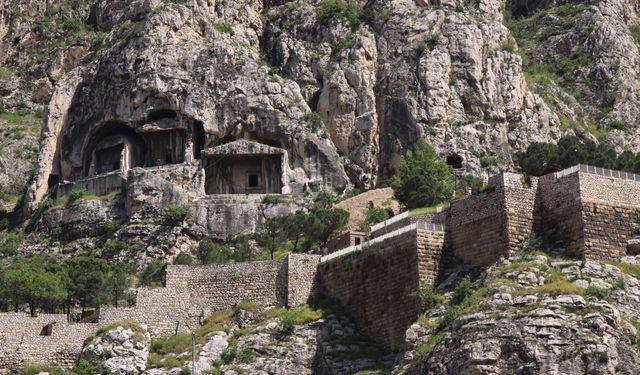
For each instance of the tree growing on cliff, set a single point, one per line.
(87, 280)
(119, 280)
(36, 281)
(273, 233)
(423, 179)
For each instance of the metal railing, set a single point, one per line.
(395, 233)
(604, 172)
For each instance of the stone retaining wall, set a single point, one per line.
(190, 295)
(21, 341)
(610, 206)
(375, 284)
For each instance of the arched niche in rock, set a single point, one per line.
(112, 146)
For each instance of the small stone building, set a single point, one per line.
(245, 167)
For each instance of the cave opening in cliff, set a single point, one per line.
(455, 161)
(113, 146)
(162, 114)
(199, 138)
(243, 167)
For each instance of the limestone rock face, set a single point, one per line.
(344, 93)
(120, 350)
(583, 326)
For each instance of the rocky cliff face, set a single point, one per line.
(363, 80)
(534, 315)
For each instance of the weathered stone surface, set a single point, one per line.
(120, 350)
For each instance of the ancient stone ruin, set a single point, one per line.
(591, 212)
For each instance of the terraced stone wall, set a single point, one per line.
(610, 207)
(22, 341)
(375, 283)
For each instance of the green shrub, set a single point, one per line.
(246, 355)
(314, 120)
(599, 293)
(273, 199)
(153, 274)
(423, 179)
(488, 161)
(463, 290)
(285, 328)
(209, 252)
(77, 194)
(184, 259)
(229, 354)
(332, 9)
(10, 242)
(375, 215)
(113, 247)
(176, 214)
(634, 30)
(44, 206)
(423, 350)
(224, 28)
(428, 296)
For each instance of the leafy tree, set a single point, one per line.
(153, 274)
(87, 280)
(119, 280)
(375, 215)
(273, 233)
(184, 259)
(209, 252)
(423, 178)
(10, 242)
(543, 158)
(296, 225)
(36, 281)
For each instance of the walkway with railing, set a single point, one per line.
(395, 233)
(597, 171)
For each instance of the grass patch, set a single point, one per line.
(6, 73)
(248, 306)
(427, 210)
(298, 316)
(423, 350)
(556, 285)
(224, 28)
(634, 30)
(126, 324)
(599, 293)
(629, 269)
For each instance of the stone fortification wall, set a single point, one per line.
(610, 207)
(476, 227)
(21, 341)
(559, 212)
(190, 295)
(590, 211)
(519, 208)
(494, 223)
(302, 278)
(406, 218)
(375, 282)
